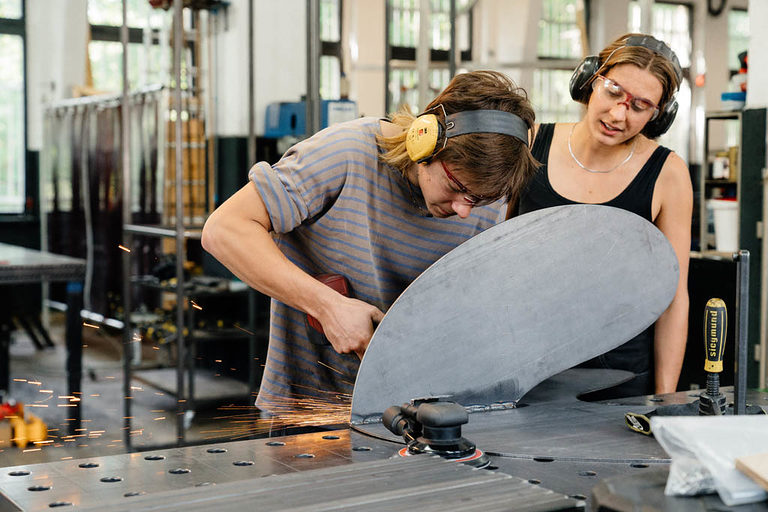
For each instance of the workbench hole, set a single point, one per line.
(59, 504)
(361, 448)
(243, 463)
(111, 479)
(638, 465)
(534, 481)
(154, 457)
(275, 443)
(204, 484)
(179, 471)
(19, 473)
(217, 450)
(38, 488)
(578, 497)
(305, 456)
(331, 437)
(587, 473)
(543, 459)
(88, 465)
(655, 399)
(131, 494)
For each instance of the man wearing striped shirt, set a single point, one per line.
(357, 199)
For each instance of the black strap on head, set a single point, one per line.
(659, 47)
(486, 121)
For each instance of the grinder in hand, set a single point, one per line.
(341, 285)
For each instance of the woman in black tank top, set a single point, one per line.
(610, 158)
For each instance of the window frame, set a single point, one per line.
(334, 48)
(17, 27)
(405, 56)
(732, 71)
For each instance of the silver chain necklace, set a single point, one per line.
(570, 150)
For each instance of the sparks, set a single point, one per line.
(194, 305)
(237, 326)
(124, 248)
(86, 324)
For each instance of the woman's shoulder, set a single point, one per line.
(675, 175)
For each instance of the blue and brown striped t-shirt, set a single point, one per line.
(335, 208)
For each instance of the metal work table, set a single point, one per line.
(550, 453)
(19, 265)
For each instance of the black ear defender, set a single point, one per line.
(587, 69)
(430, 132)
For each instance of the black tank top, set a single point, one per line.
(636, 198)
(636, 354)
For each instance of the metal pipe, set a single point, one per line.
(742, 330)
(127, 238)
(313, 67)
(387, 56)
(423, 54)
(452, 52)
(251, 93)
(180, 341)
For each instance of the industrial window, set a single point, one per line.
(12, 112)
(671, 23)
(738, 37)
(330, 48)
(403, 22)
(559, 44)
(147, 62)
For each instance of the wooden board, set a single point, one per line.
(755, 467)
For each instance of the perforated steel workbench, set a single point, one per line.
(550, 453)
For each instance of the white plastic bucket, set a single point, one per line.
(726, 217)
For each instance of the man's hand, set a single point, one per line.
(349, 325)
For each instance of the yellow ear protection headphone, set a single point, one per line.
(591, 65)
(428, 134)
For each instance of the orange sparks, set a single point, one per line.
(287, 412)
(332, 368)
(124, 248)
(19, 380)
(86, 324)
(194, 305)
(242, 329)
(160, 418)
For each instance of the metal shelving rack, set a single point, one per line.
(706, 182)
(173, 228)
(750, 187)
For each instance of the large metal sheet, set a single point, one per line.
(520, 302)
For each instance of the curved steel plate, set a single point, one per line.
(522, 301)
